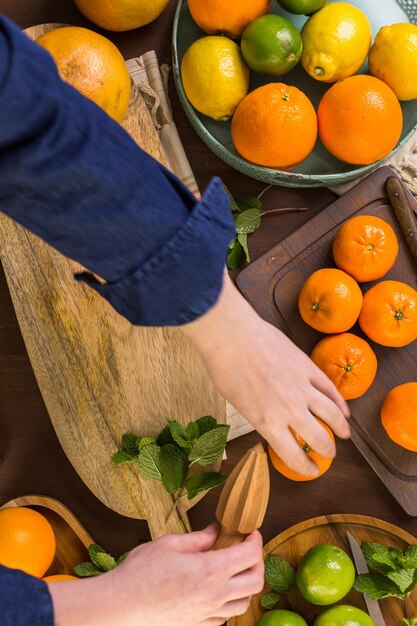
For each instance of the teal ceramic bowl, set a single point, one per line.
(320, 169)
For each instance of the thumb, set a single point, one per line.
(200, 541)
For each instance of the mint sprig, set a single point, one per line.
(280, 576)
(100, 562)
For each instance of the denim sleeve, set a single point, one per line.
(74, 177)
(24, 600)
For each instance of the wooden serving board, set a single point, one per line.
(293, 543)
(100, 376)
(72, 540)
(272, 284)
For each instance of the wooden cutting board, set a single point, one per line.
(292, 544)
(99, 376)
(272, 284)
(72, 540)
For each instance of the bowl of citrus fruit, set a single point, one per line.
(302, 93)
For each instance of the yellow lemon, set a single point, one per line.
(215, 76)
(336, 42)
(120, 15)
(393, 59)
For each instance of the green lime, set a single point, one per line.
(302, 7)
(271, 44)
(325, 574)
(281, 618)
(344, 615)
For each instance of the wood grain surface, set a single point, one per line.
(292, 544)
(273, 283)
(99, 376)
(72, 540)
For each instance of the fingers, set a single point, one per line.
(322, 406)
(236, 607)
(200, 541)
(284, 444)
(238, 558)
(314, 434)
(325, 385)
(247, 584)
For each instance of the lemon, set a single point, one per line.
(393, 59)
(215, 76)
(336, 42)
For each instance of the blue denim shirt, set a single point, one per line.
(75, 178)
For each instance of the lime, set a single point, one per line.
(271, 44)
(325, 574)
(281, 618)
(302, 7)
(344, 615)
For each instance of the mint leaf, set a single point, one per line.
(248, 221)
(403, 578)
(123, 457)
(202, 482)
(410, 557)
(179, 434)
(85, 570)
(376, 586)
(145, 441)
(165, 436)
(248, 202)
(243, 240)
(210, 446)
(270, 600)
(413, 584)
(130, 444)
(122, 557)
(378, 557)
(279, 574)
(192, 431)
(410, 621)
(100, 558)
(173, 463)
(236, 256)
(148, 462)
(233, 205)
(206, 423)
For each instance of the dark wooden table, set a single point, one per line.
(32, 460)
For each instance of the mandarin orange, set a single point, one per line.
(330, 301)
(399, 415)
(217, 17)
(58, 578)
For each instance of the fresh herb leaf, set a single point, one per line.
(233, 204)
(236, 256)
(378, 557)
(165, 437)
(121, 457)
(243, 240)
(279, 574)
(248, 202)
(203, 482)
(248, 221)
(403, 578)
(148, 462)
(410, 621)
(101, 559)
(410, 557)
(179, 434)
(145, 441)
(376, 586)
(130, 444)
(210, 446)
(192, 431)
(270, 600)
(205, 424)
(122, 557)
(173, 464)
(85, 570)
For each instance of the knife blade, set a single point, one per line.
(373, 607)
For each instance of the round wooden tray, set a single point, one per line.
(72, 540)
(293, 543)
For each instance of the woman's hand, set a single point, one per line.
(174, 581)
(268, 379)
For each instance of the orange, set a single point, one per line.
(399, 415)
(389, 314)
(348, 361)
(121, 15)
(360, 120)
(57, 578)
(27, 541)
(330, 301)
(275, 126)
(365, 247)
(217, 17)
(322, 463)
(91, 64)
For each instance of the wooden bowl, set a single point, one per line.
(71, 537)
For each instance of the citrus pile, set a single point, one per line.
(276, 125)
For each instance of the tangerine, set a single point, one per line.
(217, 17)
(275, 126)
(27, 541)
(365, 247)
(57, 578)
(360, 120)
(389, 314)
(399, 415)
(330, 301)
(322, 463)
(348, 361)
